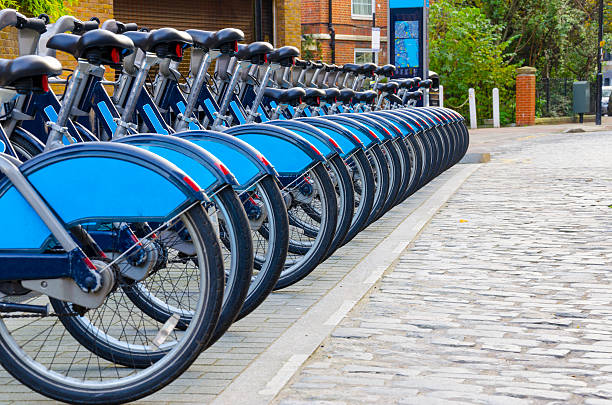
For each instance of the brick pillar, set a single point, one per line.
(288, 23)
(525, 96)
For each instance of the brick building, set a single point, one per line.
(346, 37)
(275, 21)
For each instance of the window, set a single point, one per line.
(363, 55)
(361, 9)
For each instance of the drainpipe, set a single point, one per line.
(258, 21)
(332, 34)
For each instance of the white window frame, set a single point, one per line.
(361, 16)
(364, 50)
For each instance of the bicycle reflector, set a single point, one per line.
(222, 167)
(191, 183)
(115, 56)
(44, 83)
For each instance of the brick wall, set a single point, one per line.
(288, 23)
(525, 96)
(350, 32)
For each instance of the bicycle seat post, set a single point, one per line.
(58, 129)
(227, 98)
(252, 111)
(124, 123)
(200, 79)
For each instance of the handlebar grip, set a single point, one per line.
(90, 25)
(35, 24)
(131, 27)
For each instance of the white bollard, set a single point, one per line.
(441, 96)
(496, 123)
(472, 99)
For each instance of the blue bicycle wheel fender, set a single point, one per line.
(206, 169)
(246, 163)
(346, 140)
(380, 127)
(323, 142)
(290, 153)
(366, 135)
(95, 182)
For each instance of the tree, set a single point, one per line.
(558, 37)
(54, 8)
(468, 50)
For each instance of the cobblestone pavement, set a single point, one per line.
(504, 298)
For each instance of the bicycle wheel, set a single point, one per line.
(270, 237)
(309, 240)
(232, 228)
(77, 355)
(364, 188)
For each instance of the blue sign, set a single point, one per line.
(408, 37)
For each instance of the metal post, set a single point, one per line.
(373, 26)
(496, 121)
(599, 57)
(472, 99)
(441, 96)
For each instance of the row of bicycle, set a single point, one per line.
(141, 223)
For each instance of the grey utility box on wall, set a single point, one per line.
(582, 97)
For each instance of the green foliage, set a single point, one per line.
(311, 48)
(467, 51)
(558, 37)
(54, 8)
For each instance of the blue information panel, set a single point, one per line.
(407, 42)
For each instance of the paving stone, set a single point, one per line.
(511, 307)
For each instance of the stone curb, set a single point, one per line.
(265, 377)
(474, 157)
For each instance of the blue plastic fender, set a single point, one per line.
(290, 153)
(323, 142)
(208, 172)
(94, 182)
(379, 127)
(404, 126)
(245, 162)
(367, 136)
(346, 140)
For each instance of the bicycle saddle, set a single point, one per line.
(301, 63)
(331, 94)
(26, 72)
(390, 87)
(367, 69)
(327, 67)
(226, 39)
(97, 46)
(313, 96)
(394, 99)
(405, 83)
(365, 96)
(414, 95)
(202, 39)
(386, 70)
(255, 52)
(283, 54)
(351, 68)
(317, 65)
(425, 84)
(346, 95)
(292, 96)
(165, 42)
